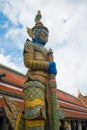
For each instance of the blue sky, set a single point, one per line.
(67, 24)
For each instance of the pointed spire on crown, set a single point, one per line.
(38, 24)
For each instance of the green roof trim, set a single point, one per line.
(11, 70)
(11, 94)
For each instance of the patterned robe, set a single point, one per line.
(35, 88)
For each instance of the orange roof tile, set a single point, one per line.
(68, 98)
(13, 77)
(72, 106)
(6, 89)
(74, 114)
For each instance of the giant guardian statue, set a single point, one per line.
(40, 102)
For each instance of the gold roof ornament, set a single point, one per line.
(82, 98)
(67, 124)
(38, 24)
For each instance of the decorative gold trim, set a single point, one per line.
(38, 78)
(34, 103)
(41, 73)
(83, 99)
(20, 115)
(33, 123)
(67, 124)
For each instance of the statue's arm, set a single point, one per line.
(29, 60)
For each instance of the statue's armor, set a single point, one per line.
(35, 58)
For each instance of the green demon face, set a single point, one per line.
(41, 35)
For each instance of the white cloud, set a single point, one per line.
(72, 69)
(6, 60)
(17, 35)
(2, 51)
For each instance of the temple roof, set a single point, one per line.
(12, 76)
(82, 98)
(12, 85)
(71, 106)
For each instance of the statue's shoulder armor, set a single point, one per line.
(40, 48)
(28, 46)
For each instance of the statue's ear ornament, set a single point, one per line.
(30, 32)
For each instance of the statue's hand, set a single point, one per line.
(52, 68)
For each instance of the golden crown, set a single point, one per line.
(38, 24)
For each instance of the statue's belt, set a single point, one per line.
(38, 76)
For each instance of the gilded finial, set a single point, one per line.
(79, 91)
(38, 17)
